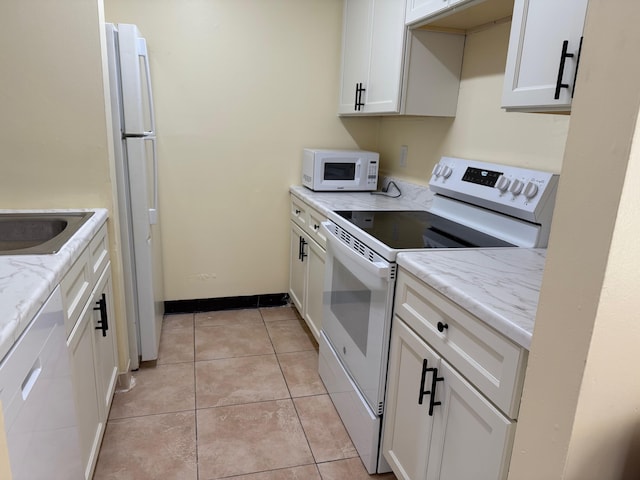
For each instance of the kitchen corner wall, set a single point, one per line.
(53, 142)
(481, 129)
(54, 139)
(241, 87)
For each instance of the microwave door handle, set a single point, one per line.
(142, 52)
(379, 269)
(357, 176)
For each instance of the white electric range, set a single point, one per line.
(476, 205)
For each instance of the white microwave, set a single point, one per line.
(334, 170)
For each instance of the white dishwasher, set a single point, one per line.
(38, 401)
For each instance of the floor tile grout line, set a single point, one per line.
(195, 400)
(267, 471)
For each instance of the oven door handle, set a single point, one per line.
(379, 269)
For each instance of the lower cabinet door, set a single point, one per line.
(90, 425)
(437, 426)
(315, 287)
(467, 426)
(407, 424)
(297, 267)
(104, 333)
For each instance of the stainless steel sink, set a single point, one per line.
(38, 233)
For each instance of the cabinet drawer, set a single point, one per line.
(298, 212)
(309, 220)
(76, 288)
(314, 221)
(99, 252)
(490, 361)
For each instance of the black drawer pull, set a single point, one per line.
(442, 326)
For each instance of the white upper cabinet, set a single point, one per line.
(418, 10)
(356, 45)
(373, 42)
(387, 69)
(544, 54)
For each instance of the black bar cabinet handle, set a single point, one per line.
(563, 57)
(422, 391)
(575, 75)
(103, 323)
(303, 242)
(358, 103)
(432, 399)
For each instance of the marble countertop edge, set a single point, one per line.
(26, 281)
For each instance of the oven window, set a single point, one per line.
(350, 303)
(339, 171)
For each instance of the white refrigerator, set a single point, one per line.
(137, 186)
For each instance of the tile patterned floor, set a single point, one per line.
(234, 395)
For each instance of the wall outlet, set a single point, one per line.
(404, 150)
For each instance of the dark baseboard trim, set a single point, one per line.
(225, 303)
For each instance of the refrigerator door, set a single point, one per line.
(124, 201)
(137, 95)
(147, 247)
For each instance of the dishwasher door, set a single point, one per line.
(38, 403)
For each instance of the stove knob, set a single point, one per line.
(446, 172)
(437, 170)
(516, 187)
(503, 183)
(531, 190)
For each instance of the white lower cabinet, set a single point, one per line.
(315, 285)
(104, 342)
(91, 344)
(438, 425)
(306, 265)
(90, 420)
(297, 267)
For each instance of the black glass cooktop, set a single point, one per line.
(419, 229)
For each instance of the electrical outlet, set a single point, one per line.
(404, 150)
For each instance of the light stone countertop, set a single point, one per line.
(414, 197)
(499, 286)
(26, 281)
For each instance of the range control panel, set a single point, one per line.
(512, 190)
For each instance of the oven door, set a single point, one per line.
(357, 302)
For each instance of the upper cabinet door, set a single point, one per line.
(372, 55)
(544, 53)
(387, 54)
(420, 9)
(356, 48)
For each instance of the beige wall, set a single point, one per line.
(54, 142)
(481, 129)
(52, 122)
(240, 88)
